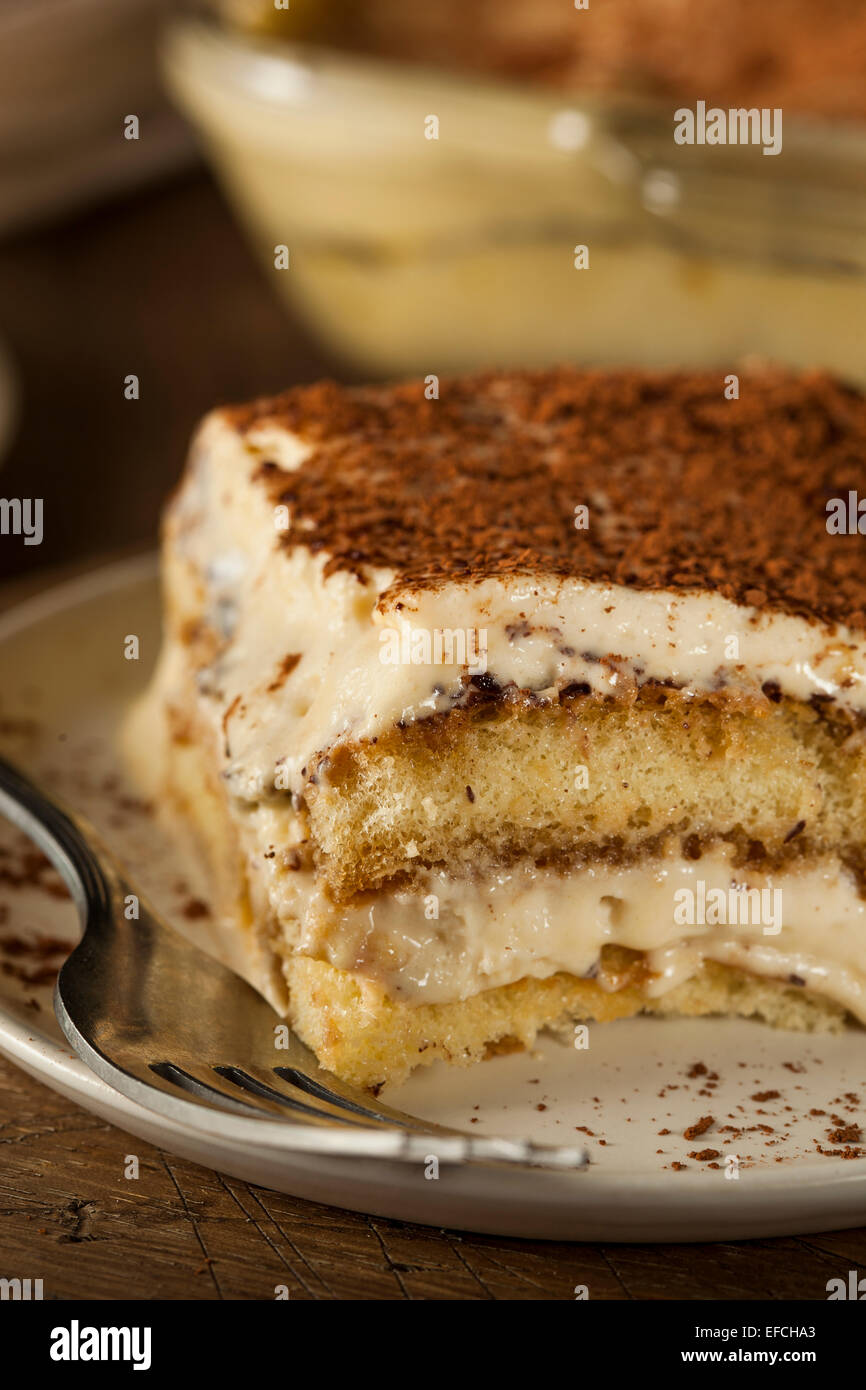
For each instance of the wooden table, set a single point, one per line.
(162, 285)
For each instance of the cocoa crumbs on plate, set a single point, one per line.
(845, 1134)
(699, 1127)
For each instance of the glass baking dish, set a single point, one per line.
(414, 255)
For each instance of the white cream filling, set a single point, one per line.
(541, 635)
(454, 938)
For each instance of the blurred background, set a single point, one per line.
(430, 170)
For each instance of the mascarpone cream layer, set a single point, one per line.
(453, 939)
(362, 663)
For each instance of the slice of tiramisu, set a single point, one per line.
(523, 699)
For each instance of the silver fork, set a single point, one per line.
(169, 1027)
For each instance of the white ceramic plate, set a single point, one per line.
(64, 683)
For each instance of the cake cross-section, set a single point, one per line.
(537, 702)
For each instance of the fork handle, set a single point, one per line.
(61, 838)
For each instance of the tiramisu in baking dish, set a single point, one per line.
(520, 700)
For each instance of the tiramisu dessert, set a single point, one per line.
(522, 699)
(790, 53)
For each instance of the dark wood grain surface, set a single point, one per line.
(162, 285)
(69, 1216)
